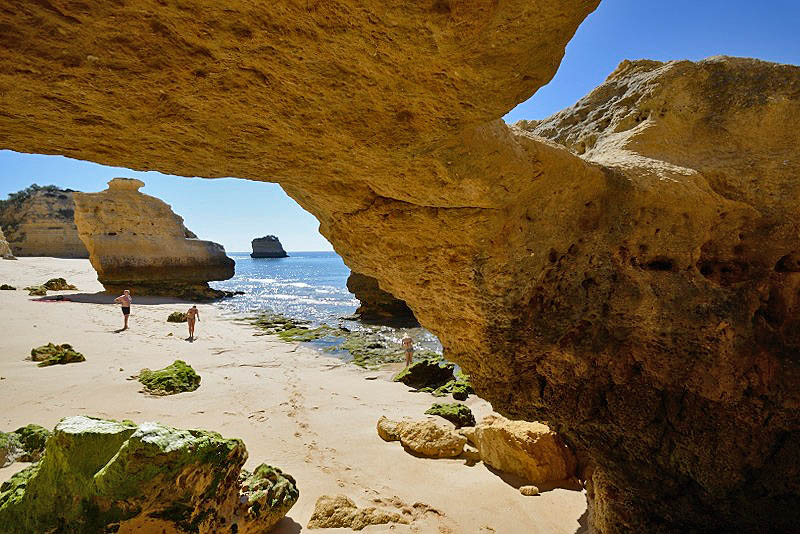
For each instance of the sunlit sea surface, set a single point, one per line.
(306, 285)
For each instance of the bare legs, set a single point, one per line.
(409, 357)
(125, 326)
(190, 322)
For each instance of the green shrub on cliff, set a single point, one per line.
(175, 378)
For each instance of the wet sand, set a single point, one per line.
(305, 412)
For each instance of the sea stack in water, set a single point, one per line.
(137, 242)
(268, 246)
(39, 221)
(5, 250)
(378, 306)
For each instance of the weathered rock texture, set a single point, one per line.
(5, 249)
(267, 247)
(40, 221)
(107, 476)
(528, 450)
(137, 242)
(641, 297)
(423, 437)
(378, 306)
(339, 511)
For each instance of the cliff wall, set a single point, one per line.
(42, 223)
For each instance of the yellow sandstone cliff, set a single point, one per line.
(137, 242)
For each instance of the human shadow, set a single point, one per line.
(102, 297)
(287, 525)
(583, 522)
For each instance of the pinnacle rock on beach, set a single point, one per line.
(137, 242)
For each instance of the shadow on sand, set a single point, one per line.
(102, 297)
(515, 482)
(287, 525)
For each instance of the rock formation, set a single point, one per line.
(423, 437)
(632, 280)
(107, 476)
(136, 242)
(378, 306)
(40, 221)
(530, 451)
(5, 249)
(339, 511)
(267, 247)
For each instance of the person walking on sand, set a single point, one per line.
(408, 346)
(125, 301)
(192, 315)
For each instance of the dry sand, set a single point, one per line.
(305, 412)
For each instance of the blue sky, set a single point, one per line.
(232, 212)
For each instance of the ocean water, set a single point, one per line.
(306, 285)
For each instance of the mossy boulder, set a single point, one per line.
(460, 387)
(427, 373)
(270, 494)
(177, 317)
(175, 378)
(109, 476)
(6, 287)
(36, 291)
(457, 413)
(52, 354)
(58, 284)
(275, 323)
(25, 444)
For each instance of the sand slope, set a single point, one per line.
(305, 412)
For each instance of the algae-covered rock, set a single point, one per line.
(457, 413)
(175, 378)
(33, 439)
(107, 476)
(339, 511)
(52, 354)
(6, 287)
(460, 387)
(58, 284)
(177, 317)
(269, 493)
(430, 372)
(36, 291)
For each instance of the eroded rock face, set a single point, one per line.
(268, 246)
(99, 476)
(137, 242)
(40, 221)
(378, 306)
(423, 437)
(5, 249)
(637, 290)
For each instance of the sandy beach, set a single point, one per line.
(303, 411)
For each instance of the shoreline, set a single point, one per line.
(306, 412)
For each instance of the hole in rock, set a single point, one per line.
(660, 264)
(790, 263)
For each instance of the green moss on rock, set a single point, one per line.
(177, 317)
(6, 287)
(52, 354)
(99, 475)
(269, 493)
(58, 284)
(36, 291)
(427, 373)
(33, 439)
(175, 378)
(457, 413)
(460, 387)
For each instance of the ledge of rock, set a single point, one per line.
(142, 478)
(40, 221)
(627, 271)
(378, 306)
(137, 242)
(268, 246)
(5, 250)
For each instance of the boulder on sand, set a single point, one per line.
(177, 317)
(25, 444)
(457, 413)
(52, 354)
(430, 372)
(424, 437)
(174, 378)
(339, 511)
(528, 450)
(109, 476)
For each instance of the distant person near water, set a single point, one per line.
(408, 345)
(192, 315)
(125, 301)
